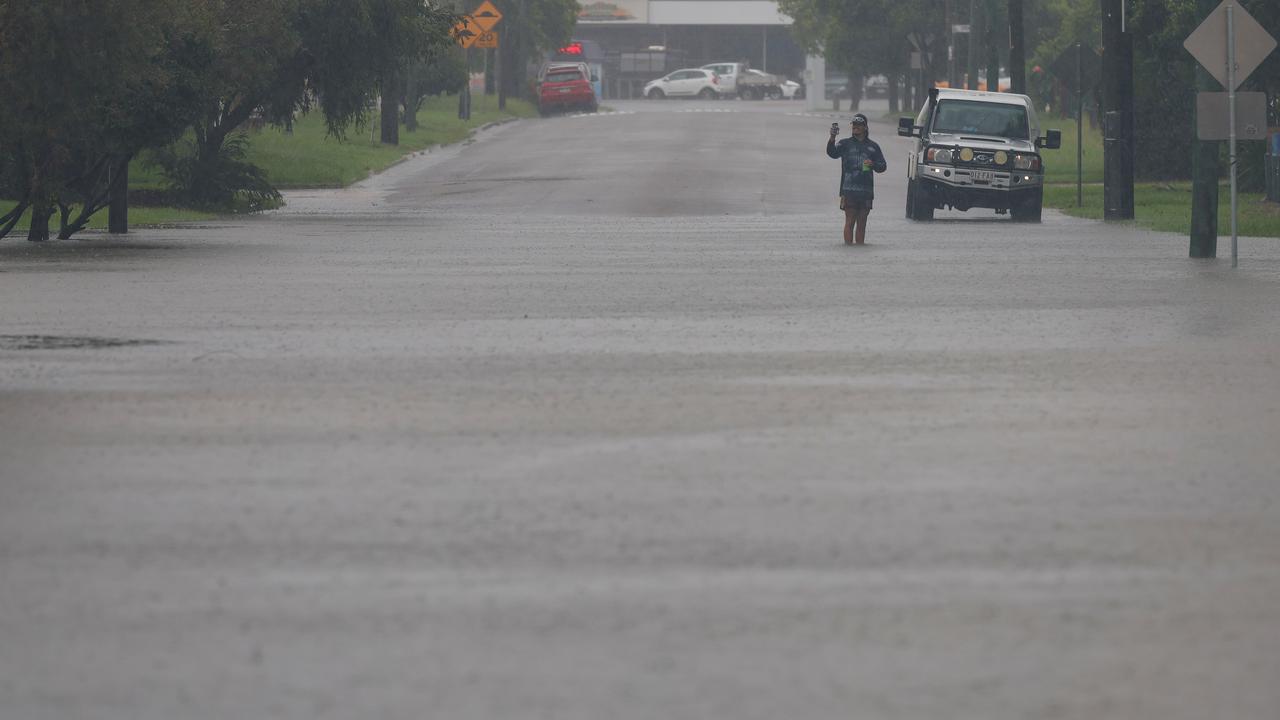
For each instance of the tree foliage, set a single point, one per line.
(80, 103)
(90, 83)
(863, 37)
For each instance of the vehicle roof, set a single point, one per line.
(983, 96)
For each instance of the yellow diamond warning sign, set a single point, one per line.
(486, 16)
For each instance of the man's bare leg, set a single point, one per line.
(849, 217)
(861, 220)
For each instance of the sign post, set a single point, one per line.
(1230, 45)
(475, 30)
(1077, 68)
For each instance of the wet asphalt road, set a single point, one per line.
(596, 417)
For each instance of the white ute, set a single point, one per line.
(976, 149)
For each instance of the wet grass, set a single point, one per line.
(1060, 164)
(308, 157)
(1167, 207)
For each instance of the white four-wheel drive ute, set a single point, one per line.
(976, 149)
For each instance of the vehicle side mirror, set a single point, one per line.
(907, 127)
(1052, 140)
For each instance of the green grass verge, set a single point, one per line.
(1060, 164)
(1167, 207)
(308, 158)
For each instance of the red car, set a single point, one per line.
(566, 88)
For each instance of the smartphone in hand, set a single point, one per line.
(835, 128)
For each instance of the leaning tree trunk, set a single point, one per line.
(391, 107)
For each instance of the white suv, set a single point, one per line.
(689, 82)
(976, 149)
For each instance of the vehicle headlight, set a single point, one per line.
(936, 154)
(1002, 157)
(966, 154)
(1026, 162)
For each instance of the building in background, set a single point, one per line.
(635, 41)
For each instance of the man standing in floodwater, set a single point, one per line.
(859, 157)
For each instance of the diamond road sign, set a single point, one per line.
(486, 16)
(1208, 43)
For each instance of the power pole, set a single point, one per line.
(1204, 170)
(1017, 51)
(1117, 103)
(975, 31)
(993, 47)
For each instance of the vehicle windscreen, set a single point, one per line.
(560, 76)
(980, 118)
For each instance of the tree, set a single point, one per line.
(872, 36)
(280, 57)
(530, 29)
(440, 72)
(81, 104)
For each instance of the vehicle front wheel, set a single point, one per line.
(920, 205)
(1029, 210)
(706, 94)
(775, 94)
(656, 94)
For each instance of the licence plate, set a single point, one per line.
(983, 176)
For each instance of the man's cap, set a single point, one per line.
(859, 119)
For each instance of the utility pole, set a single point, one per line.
(1017, 49)
(993, 47)
(1204, 170)
(975, 31)
(1117, 102)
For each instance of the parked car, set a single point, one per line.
(876, 86)
(688, 82)
(976, 149)
(566, 88)
(791, 90)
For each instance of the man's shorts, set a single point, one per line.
(855, 202)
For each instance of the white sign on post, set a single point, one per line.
(1212, 115)
(1208, 43)
(1230, 44)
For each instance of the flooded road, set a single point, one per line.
(596, 417)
